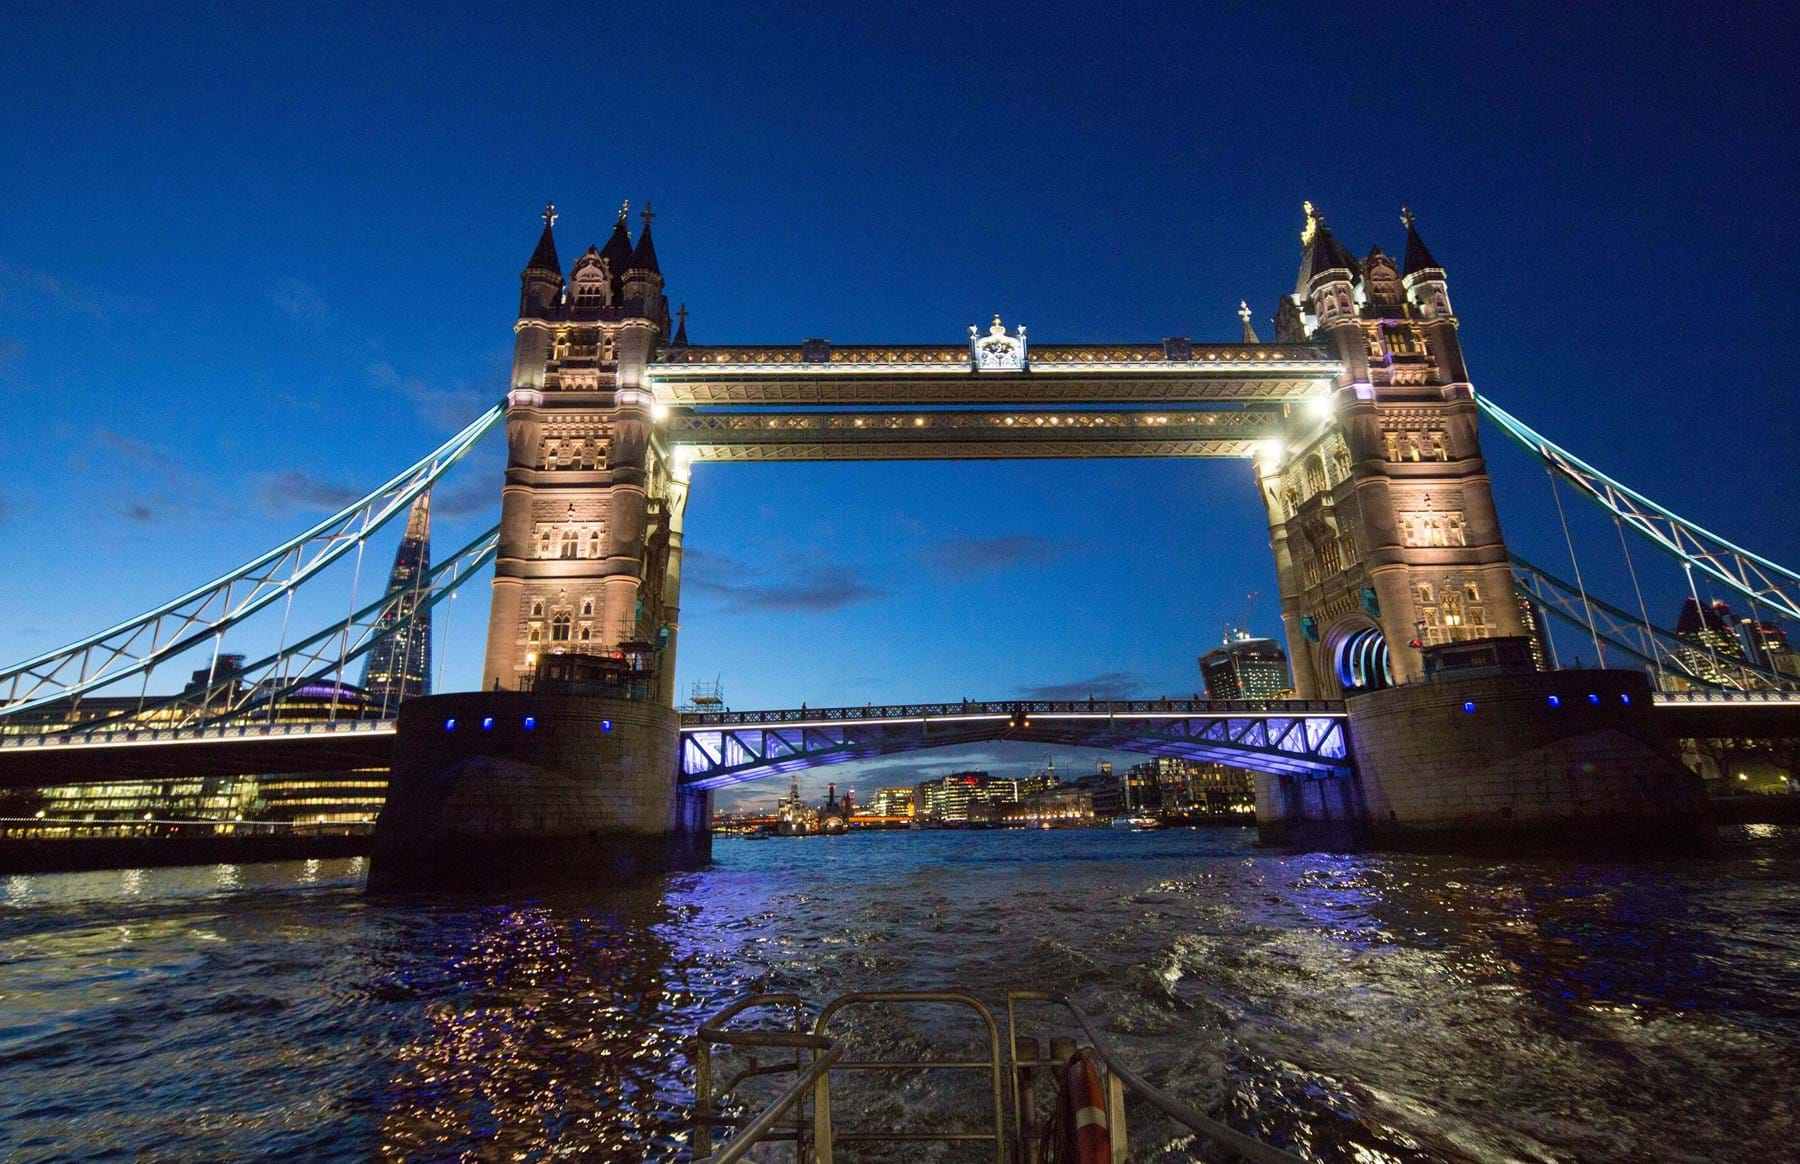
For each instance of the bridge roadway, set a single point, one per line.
(726, 747)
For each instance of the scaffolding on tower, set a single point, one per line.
(704, 696)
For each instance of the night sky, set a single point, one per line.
(255, 258)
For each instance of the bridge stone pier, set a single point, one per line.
(1497, 756)
(505, 787)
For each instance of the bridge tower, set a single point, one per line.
(1381, 517)
(564, 764)
(591, 511)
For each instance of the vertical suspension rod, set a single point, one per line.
(1593, 630)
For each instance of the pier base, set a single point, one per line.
(1498, 762)
(493, 789)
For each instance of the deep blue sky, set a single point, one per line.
(254, 256)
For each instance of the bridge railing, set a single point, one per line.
(79, 738)
(1727, 697)
(1012, 707)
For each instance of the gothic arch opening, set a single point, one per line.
(1362, 662)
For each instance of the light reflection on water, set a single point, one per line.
(1367, 1007)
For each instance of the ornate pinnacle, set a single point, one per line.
(549, 216)
(647, 215)
(624, 210)
(1314, 220)
(1406, 216)
(1243, 311)
(682, 314)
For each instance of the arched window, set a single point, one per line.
(587, 633)
(571, 543)
(537, 608)
(1341, 458)
(559, 627)
(1438, 448)
(1315, 475)
(536, 636)
(594, 545)
(587, 607)
(544, 543)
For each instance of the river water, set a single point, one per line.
(1350, 1008)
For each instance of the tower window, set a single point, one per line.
(587, 632)
(587, 607)
(543, 552)
(571, 544)
(1393, 445)
(1438, 448)
(536, 635)
(560, 626)
(594, 544)
(537, 608)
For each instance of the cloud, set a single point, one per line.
(479, 493)
(300, 302)
(284, 491)
(158, 483)
(447, 408)
(1108, 685)
(799, 587)
(964, 558)
(70, 296)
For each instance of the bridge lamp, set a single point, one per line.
(658, 410)
(1268, 452)
(40, 814)
(1319, 408)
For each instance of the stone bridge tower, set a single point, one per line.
(591, 512)
(1381, 516)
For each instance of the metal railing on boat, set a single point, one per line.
(817, 1053)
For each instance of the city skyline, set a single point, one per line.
(270, 336)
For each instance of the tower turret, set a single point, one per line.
(540, 300)
(617, 251)
(541, 281)
(1328, 274)
(1426, 287)
(642, 292)
(1429, 293)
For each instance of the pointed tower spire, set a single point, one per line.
(541, 282)
(617, 251)
(544, 257)
(1418, 258)
(681, 338)
(644, 257)
(1250, 336)
(1323, 251)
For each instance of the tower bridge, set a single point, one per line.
(1358, 423)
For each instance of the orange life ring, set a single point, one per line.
(1087, 1111)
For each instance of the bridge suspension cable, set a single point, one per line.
(136, 646)
(1751, 575)
(255, 691)
(1649, 644)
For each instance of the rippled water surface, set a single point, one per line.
(1359, 1008)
